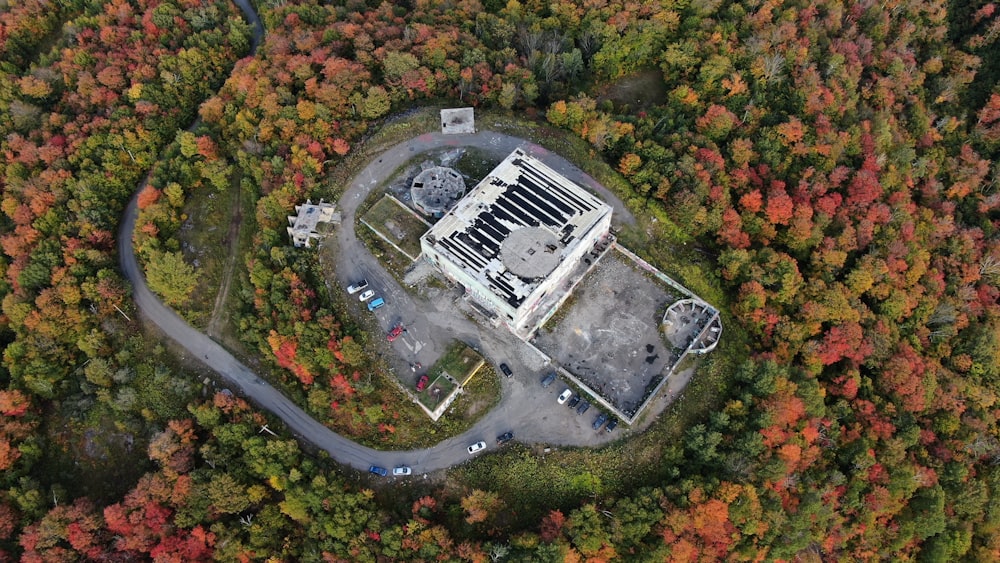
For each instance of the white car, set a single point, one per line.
(476, 447)
(564, 396)
(401, 470)
(354, 288)
(366, 295)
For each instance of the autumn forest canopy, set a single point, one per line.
(826, 173)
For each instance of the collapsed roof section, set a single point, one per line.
(516, 226)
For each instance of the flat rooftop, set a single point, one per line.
(309, 215)
(516, 226)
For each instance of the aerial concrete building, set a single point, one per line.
(436, 189)
(515, 239)
(302, 225)
(456, 121)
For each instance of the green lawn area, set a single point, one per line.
(437, 390)
(396, 224)
(460, 362)
(205, 237)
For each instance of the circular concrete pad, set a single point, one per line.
(531, 253)
(435, 190)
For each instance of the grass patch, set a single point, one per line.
(227, 327)
(397, 225)
(204, 237)
(437, 390)
(460, 361)
(478, 396)
(640, 91)
(458, 364)
(394, 261)
(475, 164)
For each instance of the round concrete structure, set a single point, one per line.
(531, 253)
(435, 190)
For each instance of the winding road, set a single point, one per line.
(446, 453)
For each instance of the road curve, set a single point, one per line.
(445, 454)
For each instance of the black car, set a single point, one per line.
(548, 379)
(599, 421)
(574, 401)
(504, 438)
(583, 407)
(506, 370)
(611, 425)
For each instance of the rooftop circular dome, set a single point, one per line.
(530, 253)
(435, 190)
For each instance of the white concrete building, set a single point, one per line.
(455, 121)
(302, 225)
(436, 189)
(516, 238)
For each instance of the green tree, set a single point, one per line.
(171, 277)
(376, 103)
(227, 495)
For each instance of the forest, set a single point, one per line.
(829, 168)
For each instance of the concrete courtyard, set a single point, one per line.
(608, 334)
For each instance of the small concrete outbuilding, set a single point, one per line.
(456, 121)
(302, 225)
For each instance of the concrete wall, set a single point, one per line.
(481, 294)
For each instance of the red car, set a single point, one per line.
(395, 332)
(422, 382)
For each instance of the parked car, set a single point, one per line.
(574, 401)
(395, 332)
(376, 470)
(504, 438)
(356, 287)
(564, 396)
(548, 379)
(366, 295)
(376, 303)
(422, 382)
(506, 370)
(476, 447)
(401, 470)
(612, 425)
(599, 421)
(583, 407)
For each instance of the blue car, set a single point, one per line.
(376, 303)
(380, 471)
